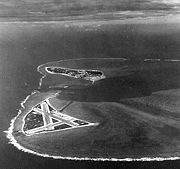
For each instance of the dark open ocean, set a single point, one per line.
(26, 45)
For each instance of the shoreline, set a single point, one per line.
(14, 141)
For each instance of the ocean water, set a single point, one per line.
(26, 45)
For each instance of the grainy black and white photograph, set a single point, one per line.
(89, 84)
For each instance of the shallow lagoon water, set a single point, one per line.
(118, 129)
(24, 46)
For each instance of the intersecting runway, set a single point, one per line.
(53, 120)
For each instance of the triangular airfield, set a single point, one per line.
(45, 118)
